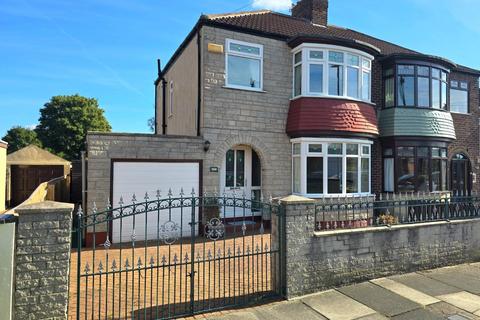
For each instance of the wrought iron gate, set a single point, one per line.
(168, 257)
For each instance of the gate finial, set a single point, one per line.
(79, 211)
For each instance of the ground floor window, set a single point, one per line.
(414, 169)
(323, 167)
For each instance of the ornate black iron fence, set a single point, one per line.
(176, 256)
(389, 209)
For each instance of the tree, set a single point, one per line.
(19, 137)
(64, 123)
(151, 124)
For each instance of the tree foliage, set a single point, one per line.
(20, 137)
(64, 123)
(151, 124)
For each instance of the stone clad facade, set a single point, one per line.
(257, 119)
(228, 117)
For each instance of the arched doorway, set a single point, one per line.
(460, 174)
(241, 173)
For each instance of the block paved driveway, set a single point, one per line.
(445, 293)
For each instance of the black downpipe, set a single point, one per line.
(199, 67)
(155, 103)
(164, 107)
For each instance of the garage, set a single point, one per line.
(131, 177)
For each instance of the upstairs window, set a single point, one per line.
(331, 71)
(244, 63)
(415, 86)
(459, 96)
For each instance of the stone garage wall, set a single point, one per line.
(317, 261)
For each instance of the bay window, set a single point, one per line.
(323, 167)
(331, 71)
(411, 85)
(244, 63)
(414, 169)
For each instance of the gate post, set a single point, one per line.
(42, 254)
(298, 225)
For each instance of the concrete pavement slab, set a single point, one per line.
(464, 277)
(419, 314)
(405, 291)
(463, 300)
(236, 315)
(376, 316)
(288, 310)
(447, 310)
(379, 299)
(425, 284)
(334, 305)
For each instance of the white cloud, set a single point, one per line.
(280, 5)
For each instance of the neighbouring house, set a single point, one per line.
(27, 168)
(263, 103)
(3, 173)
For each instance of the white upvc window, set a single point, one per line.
(331, 71)
(244, 65)
(330, 167)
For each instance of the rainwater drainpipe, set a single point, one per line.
(164, 103)
(199, 79)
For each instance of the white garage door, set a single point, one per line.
(131, 178)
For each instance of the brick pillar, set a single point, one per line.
(299, 225)
(43, 240)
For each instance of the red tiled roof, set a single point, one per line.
(315, 116)
(286, 26)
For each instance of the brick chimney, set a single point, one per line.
(314, 10)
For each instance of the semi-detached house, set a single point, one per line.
(267, 104)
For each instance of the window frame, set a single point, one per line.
(258, 57)
(395, 156)
(416, 64)
(458, 87)
(307, 61)
(305, 153)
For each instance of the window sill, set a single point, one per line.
(334, 195)
(461, 113)
(244, 89)
(416, 108)
(331, 97)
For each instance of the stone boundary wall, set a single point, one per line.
(316, 261)
(43, 240)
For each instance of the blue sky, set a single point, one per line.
(107, 49)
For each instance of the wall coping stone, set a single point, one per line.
(320, 234)
(294, 199)
(149, 135)
(45, 207)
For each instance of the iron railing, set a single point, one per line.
(168, 257)
(390, 209)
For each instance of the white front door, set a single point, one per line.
(235, 178)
